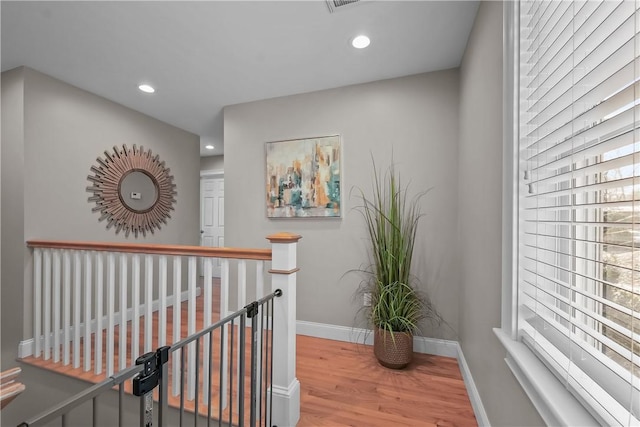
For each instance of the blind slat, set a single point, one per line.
(596, 264)
(601, 186)
(549, 265)
(617, 166)
(585, 13)
(564, 137)
(593, 296)
(627, 245)
(592, 148)
(568, 316)
(593, 49)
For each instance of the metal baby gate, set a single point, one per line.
(220, 400)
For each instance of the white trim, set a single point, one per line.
(212, 173)
(286, 404)
(474, 396)
(510, 164)
(25, 348)
(436, 347)
(555, 404)
(333, 332)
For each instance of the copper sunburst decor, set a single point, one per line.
(107, 179)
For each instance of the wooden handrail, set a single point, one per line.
(155, 249)
(284, 237)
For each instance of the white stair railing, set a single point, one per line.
(86, 293)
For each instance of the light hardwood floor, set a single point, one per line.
(343, 385)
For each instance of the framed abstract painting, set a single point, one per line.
(303, 178)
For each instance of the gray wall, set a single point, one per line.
(12, 182)
(414, 118)
(212, 163)
(480, 222)
(66, 129)
(52, 134)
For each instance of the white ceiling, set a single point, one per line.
(201, 56)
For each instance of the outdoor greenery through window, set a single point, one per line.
(579, 199)
(621, 260)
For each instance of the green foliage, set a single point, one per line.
(396, 307)
(392, 220)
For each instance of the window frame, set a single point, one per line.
(553, 401)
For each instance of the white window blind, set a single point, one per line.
(579, 199)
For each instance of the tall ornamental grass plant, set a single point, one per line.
(392, 217)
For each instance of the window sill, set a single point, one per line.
(556, 405)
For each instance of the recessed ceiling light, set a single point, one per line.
(146, 88)
(209, 147)
(360, 42)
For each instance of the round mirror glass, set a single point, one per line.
(138, 191)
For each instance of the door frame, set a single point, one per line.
(207, 174)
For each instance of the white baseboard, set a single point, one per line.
(425, 345)
(334, 332)
(436, 347)
(25, 348)
(472, 390)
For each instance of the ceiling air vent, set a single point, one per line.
(335, 5)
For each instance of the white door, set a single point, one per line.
(212, 216)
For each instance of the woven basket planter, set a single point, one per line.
(394, 353)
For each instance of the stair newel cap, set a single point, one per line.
(284, 238)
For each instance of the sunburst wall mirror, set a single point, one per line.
(132, 190)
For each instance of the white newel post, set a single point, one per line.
(285, 388)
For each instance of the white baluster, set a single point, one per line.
(242, 283)
(135, 303)
(87, 311)
(77, 298)
(122, 356)
(177, 289)
(37, 301)
(259, 333)
(224, 304)
(148, 303)
(56, 306)
(242, 301)
(206, 320)
(191, 326)
(99, 301)
(162, 315)
(259, 279)
(111, 308)
(208, 292)
(47, 305)
(66, 312)
(224, 287)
